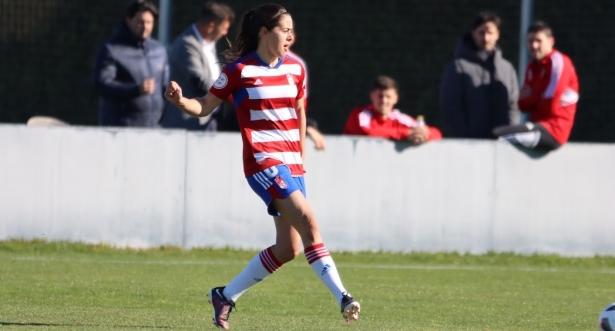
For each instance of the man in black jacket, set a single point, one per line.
(131, 71)
(479, 89)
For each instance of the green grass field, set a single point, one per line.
(62, 286)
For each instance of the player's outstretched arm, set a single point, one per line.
(199, 107)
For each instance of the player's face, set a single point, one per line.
(486, 36)
(280, 38)
(539, 44)
(383, 100)
(141, 25)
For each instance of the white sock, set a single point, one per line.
(261, 266)
(321, 262)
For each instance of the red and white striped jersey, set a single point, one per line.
(550, 93)
(265, 101)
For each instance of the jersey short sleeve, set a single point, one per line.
(228, 81)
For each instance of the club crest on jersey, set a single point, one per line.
(221, 81)
(291, 80)
(281, 183)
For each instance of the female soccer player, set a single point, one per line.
(268, 89)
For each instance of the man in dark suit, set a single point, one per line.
(195, 63)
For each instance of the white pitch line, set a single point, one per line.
(343, 265)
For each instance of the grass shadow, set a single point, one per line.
(82, 325)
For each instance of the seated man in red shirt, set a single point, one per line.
(380, 119)
(550, 94)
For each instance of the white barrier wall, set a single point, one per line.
(122, 187)
(139, 188)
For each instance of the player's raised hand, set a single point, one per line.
(173, 92)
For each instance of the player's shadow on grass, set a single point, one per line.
(82, 325)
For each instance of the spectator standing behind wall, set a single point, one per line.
(380, 119)
(131, 71)
(550, 94)
(479, 89)
(195, 64)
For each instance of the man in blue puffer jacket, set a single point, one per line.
(131, 71)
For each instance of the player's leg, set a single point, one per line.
(265, 263)
(529, 135)
(287, 242)
(546, 142)
(521, 134)
(296, 210)
(268, 261)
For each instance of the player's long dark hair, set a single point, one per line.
(267, 16)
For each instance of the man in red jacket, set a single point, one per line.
(380, 119)
(550, 94)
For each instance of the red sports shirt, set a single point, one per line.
(265, 100)
(365, 121)
(550, 93)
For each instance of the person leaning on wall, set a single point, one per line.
(381, 119)
(550, 94)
